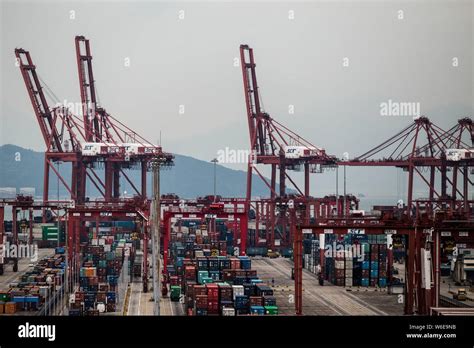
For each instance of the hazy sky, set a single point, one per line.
(190, 61)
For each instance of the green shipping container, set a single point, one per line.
(51, 233)
(202, 275)
(365, 247)
(4, 297)
(207, 280)
(175, 292)
(271, 310)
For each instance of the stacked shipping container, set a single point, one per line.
(212, 282)
(351, 260)
(35, 287)
(103, 261)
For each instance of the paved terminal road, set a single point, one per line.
(318, 300)
(139, 302)
(23, 264)
(134, 301)
(172, 308)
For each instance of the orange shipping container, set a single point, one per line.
(10, 308)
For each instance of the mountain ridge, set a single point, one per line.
(23, 168)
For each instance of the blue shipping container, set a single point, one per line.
(257, 310)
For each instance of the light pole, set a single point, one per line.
(215, 161)
(49, 280)
(337, 191)
(345, 198)
(57, 215)
(156, 235)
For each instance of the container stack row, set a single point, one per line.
(99, 274)
(351, 259)
(36, 286)
(209, 282)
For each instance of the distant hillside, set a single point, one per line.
(188, 178)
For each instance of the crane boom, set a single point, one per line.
(88, 91)
(38, 100)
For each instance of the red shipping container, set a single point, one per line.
(79, 296)
(188, 262)
(212, 291)
(190, 289)
(174, 280)
(256, 301)
(201, 301)
(240, 273)
(200, 290)
(234, 263)
(228, 274)
(212, 307)
(340, 273)
(251, 273)
(225, 292)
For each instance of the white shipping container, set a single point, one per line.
(228, 312)
(348, 281)
(7, 192)
(107, 247)
(101, 241)
(458, 154)
(132, 148)
(237, 290)
(28, 191)
(299, 151)
(348, 273)
(349, 264)
(101, 307)
(94, 241)
(91, 149)
(339, 264)
(44, 291)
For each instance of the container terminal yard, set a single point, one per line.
(279, 255)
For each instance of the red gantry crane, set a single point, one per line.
(421, 148)
(273, 144)
(95, 141)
